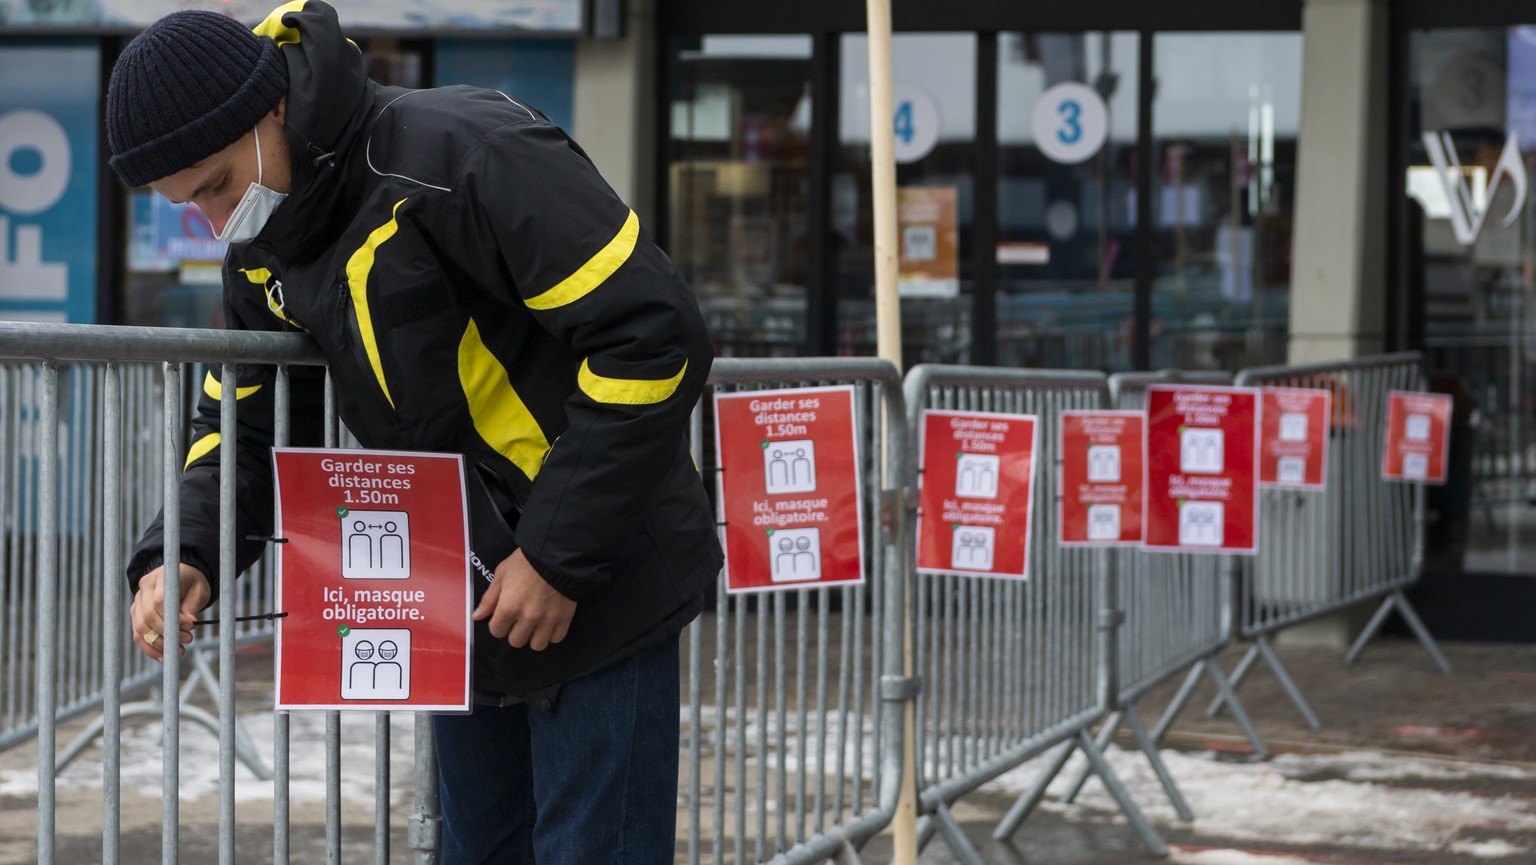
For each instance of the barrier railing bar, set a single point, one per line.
(47, 609)
(282, 405)
(229, 437)
(170, 668)
(111, 612)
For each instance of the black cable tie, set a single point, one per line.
(266, 539)
(721, 524)
(256, 618)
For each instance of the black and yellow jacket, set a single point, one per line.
(477, 288)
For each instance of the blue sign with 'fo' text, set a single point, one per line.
(49, 95)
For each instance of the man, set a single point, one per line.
(478, 289)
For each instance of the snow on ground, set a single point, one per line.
(142, 767)
(1335, 799)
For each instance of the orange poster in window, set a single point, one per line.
(930, 241)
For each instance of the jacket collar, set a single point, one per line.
(330, 103)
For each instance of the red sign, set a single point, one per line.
(977, 493)
(790, 488)
(1101, 477)
(374, 578)
(1418, 437)
(1293, 438)
(1202, 455)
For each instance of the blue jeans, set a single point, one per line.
(592, 783)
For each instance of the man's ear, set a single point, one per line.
(281, 108)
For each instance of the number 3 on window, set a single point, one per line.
(1071, 112)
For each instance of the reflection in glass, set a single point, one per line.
(740, 121)
(1224, 181)
(1066, 230)
(934, 98)
(1471, 156)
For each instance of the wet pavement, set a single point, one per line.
(1411, 767)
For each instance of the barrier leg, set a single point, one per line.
(77, 746)
(1239, 675)
(1148, 747)
(1180, 700)
(1027, 802)
(244, 746)
(424, 827)
(1239, 714)
(1138, 821)
(955, 838)
(1288, 684)
(1400, 601)
(245, 750)
(925, 830)
(1106, 735)
(1378, 619)
(846, 855)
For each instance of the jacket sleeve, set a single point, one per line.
(552, 237)
(199, 489)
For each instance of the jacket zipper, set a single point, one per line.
(352, 341)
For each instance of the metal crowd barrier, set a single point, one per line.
(91, 385)
(792, 739)
(1177, 619)
(794, 713)
(1013, 668)
(80, 505)
(76, 496)
(1360, 540)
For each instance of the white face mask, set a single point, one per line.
(255, 207)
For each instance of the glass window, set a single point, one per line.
(1471, 256)
(738, 184)
(1226, 111)
(1066, 199)
(934, 84)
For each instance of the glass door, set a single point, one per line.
(1066, 251)
(1472, 263)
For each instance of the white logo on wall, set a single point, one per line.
(23, 273)
(1070, 123)
(1467, 213)
(376, 545)
(376, 664)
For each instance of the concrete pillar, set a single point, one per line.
(615, 107)
(1338, 265)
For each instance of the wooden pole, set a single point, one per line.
(882, 154)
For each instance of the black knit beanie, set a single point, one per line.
(189, 86)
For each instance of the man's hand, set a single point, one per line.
(147, 614)
(523, 608)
